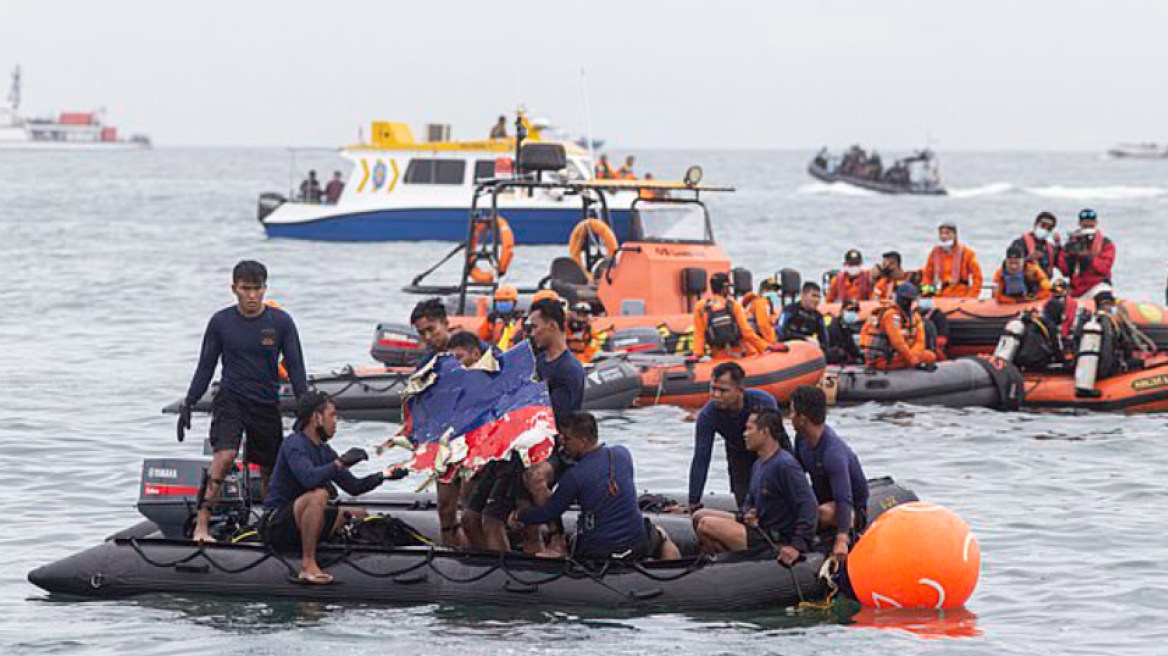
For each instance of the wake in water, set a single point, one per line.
(833, 189)
(991, 189)
(1117, 192)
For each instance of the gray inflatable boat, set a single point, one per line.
(983, 381)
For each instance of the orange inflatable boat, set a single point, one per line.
(672, 380)
(976, 324)
(1145, 390)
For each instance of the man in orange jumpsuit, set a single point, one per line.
(760, 309)
(894, 336)
(890, 274)
(720, 323)
(852, 282)
(952, 267)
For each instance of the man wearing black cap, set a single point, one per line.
(1020, 281)
(894, 336)
(297, 508)
(852, 282)
(721, 324)
(1087, 258)
(1041, 245)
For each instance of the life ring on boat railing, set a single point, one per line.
(506, 251)
(579, 240)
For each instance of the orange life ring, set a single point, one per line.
(580, 238)
(506, 252)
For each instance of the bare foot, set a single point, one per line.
(203, 536)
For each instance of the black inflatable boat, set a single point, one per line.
(153, 558)
(374, 393)
(881, 186)
(984, 381)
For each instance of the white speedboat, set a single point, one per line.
(403, 189)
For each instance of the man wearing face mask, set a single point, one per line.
(760, 309)
(852, 282)
(1041, 245)
(843, 334)
(1087, 258)
(581, 341)
(298, 512)
(894, 336)
(503, 326)
(952, 267)
(1019, 280)
(888, 276)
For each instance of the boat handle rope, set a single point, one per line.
(571, 568)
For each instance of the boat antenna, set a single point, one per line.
(587, 114)
(14, 93)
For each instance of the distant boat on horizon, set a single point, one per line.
(1147, 150)
(65, 131)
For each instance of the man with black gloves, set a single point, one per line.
(250, 337)
(1088, 258)
(298, 512)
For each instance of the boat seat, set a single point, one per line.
(568, 279)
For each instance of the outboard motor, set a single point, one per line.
(639, 339)
(268, 204)
(397, 345)
(790, 284)
(1011, 340)
(1087, 362)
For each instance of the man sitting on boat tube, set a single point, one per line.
(778, 512)
(298, 512)
(610, 524)
(952, 267)
(720, 323)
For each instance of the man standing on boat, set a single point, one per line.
(499, 131)
(250, 338)
(730, 405)
(332, 191)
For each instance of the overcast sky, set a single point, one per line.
(713, 74)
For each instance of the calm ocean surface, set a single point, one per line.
(113, 263)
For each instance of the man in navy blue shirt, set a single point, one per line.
(557, 367)
(836, 476)
(602, 483)
(249, 338)
(298, 513)
(725, 414)
(778, 512)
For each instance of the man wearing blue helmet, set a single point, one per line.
(1087, 258)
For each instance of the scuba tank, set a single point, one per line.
(1087, 361)
(1011, 339)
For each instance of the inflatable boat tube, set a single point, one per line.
(1134, 392)
(671, 380)
(374, 393)
(976, 324)
(142, 561)
(963, 383)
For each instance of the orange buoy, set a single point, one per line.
(916, 555)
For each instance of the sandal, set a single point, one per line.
(323, 578)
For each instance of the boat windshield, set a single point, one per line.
(672, 222)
